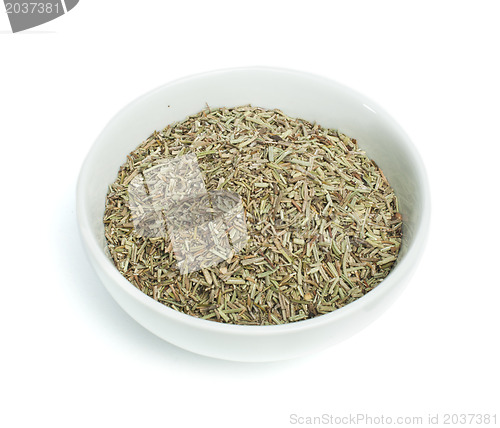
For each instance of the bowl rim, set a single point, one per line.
(404, 268)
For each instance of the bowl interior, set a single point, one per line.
(297, 94)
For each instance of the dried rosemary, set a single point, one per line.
(247, 216)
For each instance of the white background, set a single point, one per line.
(70, 357)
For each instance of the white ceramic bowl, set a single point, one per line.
(298, 95)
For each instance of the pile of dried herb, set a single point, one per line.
(322, 220)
